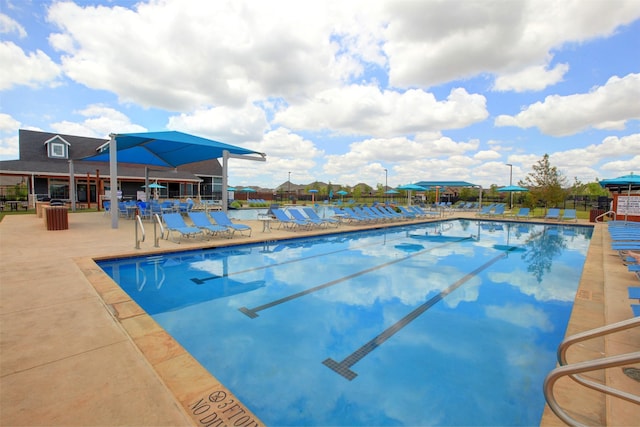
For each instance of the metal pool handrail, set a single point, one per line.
(572, 370)
(139, 225)
(605, 214)
(157, 221)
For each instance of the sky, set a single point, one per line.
(345, 91)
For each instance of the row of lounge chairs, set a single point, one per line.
(381, 213)
(204, 225)
(625, 238)
(567, 215)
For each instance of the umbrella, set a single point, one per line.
(409, 188)
(512, 189)
(231, 189)
(627, 182)
(313, 195)
(248, 190)
(154, 185)
(342, 193)
(391, 192)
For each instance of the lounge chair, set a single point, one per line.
(288, 223)
(175, 223)
(498, 210)
(296, 214)
(523, 213)
(222, 219)
(569, 215)
(201, 221)
(486, 210)
(553, 213)
(406, 212)
(313, 215)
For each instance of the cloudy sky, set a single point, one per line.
(338, 90)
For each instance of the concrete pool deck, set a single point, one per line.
(76, 350)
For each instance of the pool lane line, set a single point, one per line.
(199, 281)
(344, 367)
(253, 312)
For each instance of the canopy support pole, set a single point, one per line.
(225, 163)
(113, 178)
(72, 186)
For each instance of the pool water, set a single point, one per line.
(450, 323)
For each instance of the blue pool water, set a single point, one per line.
(454, 323)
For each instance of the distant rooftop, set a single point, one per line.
(445, 184)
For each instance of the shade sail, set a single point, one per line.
(168, 149)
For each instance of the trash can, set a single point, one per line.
(56, 217)
(594, 213)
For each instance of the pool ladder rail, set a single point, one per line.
(572, 370)
(140, 227)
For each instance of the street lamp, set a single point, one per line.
(289, 187)
(510, 183)
(385, 186)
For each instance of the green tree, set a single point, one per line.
(546, 183)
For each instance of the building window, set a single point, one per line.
(57, 150)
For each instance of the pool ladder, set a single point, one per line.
(572, 370)
(140, 227)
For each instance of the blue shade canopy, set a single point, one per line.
(168, 149)
(625, 181)
(248, 190)
(313, 191)
(512, 188)
(391, 192)
(342, 193)
(412, 187)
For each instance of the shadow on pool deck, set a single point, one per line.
(75, 350)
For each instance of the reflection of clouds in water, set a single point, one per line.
(560, 284)
(524, 315)
(468, 292)
(408, 285)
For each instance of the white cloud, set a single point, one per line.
(429, 43)
(616, 101)
(8, 26)
(537, 77)
(225, 124)
(99, 123)
(18, 68)
(366, 110)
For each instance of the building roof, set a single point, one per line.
(446, 184)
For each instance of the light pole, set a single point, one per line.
(385, 186)
(289, 187)
(510, 183)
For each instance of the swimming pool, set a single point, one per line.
(450, 323)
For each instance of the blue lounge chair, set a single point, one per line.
(296, 214)
(486, 210)
(201, 221)
(523, 213)
(406, 212)
(498, 210)
(222, 219)
(313, 215)
(175, 223)
(553, 213)
(288, 223)
(570, 215)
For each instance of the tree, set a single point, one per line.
(546, 183)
